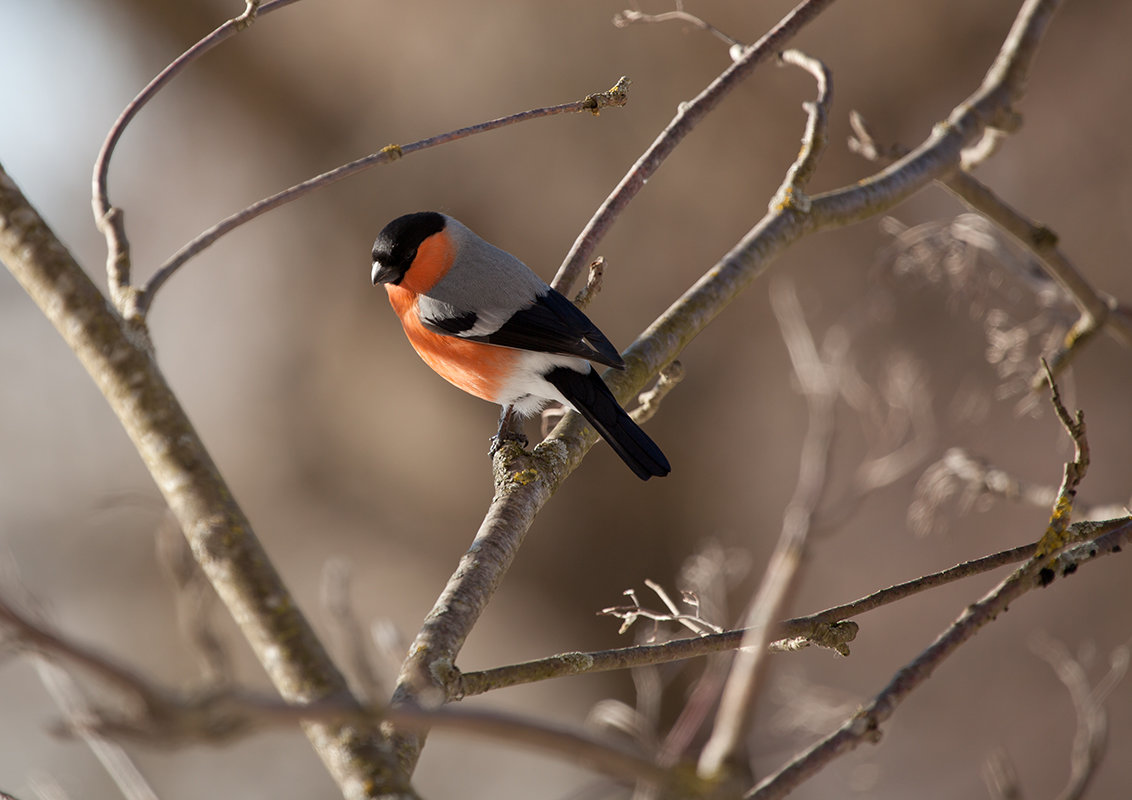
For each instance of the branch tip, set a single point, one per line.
(616, 96)
(593, 285)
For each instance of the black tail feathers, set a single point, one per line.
(588, 393)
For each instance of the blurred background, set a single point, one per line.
(343, 447)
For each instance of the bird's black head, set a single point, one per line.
(396, 245)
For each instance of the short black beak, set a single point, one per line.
(382, 274)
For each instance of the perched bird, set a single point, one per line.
(487, 324)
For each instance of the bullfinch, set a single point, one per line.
(487, 324)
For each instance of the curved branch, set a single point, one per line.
(630, 16)
(1091, 741)
(615, 97)
(107, 217)
(990, 107)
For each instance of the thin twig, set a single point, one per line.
(594, 280)
(558, 741)
(615, 97)
(648, 403)
(118, 765)
(629, 16)
(630, 614)
(687, 117)
(35, 635)
(985, 478)
(815, 137)
(1091, 740)
(336, 581)
(864, 726)
(1057, 535)
(564, 664)
(820, 388)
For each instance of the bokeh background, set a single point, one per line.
(343, 447)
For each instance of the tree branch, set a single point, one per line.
(173, 718)
(525, 481)
(828, 628)
(1097, 310)
(615, 97)
(687, 117)
(629, 16)
(117, 357)
(1091, 741)
(864, 726)
(110, 219)
(821, 390)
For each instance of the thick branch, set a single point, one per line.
(116, 356)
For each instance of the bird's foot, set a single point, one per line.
(509, 431)
(502, 438)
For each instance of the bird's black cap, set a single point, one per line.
(396, 245)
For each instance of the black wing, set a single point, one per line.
(552, 324)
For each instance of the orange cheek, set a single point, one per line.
(478, 369)
(433, 260)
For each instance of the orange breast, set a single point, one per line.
(477, 368)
